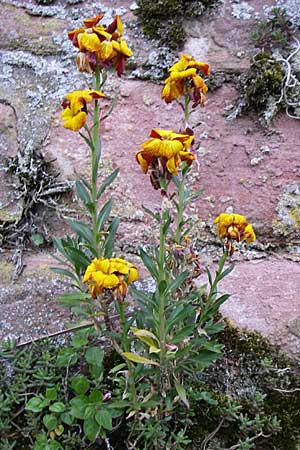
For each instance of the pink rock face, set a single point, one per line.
(239, 164)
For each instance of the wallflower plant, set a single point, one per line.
(168, 336)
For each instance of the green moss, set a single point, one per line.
(263, 80)
(163, 19)
(260, 88)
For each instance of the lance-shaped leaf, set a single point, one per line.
(104, 214)
(149, 263)
(139, 359)
(82, 192)
(147, 338)
(108, 180)
(182, 393)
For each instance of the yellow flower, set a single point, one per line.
(100, 45)
(113, 274)
(75, 108)
(184, 78)
(169, 148)
(234, 227)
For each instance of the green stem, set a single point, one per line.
(186, 110)
(181, 204)
(161, 305)
(96, 155)
(126, 345)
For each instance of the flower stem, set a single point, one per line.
(126, 345)
(186, 110)
(96, 155)
(180, 209)
(161, 303)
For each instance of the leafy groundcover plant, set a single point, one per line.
(163, 340)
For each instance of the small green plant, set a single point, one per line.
(163, 19)
(275, 33)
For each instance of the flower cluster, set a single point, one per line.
(100, 46)
(234, 227)
(75, 108)
(164, 152)
(184, 79)
(113, 274)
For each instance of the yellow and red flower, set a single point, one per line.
(165, 149)
(184, 79)
(112, 274)
(234, 227)
(100, 45)
(75, 108)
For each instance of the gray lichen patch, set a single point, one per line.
(287, 223)
(28, 33)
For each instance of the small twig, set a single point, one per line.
(287, 391)
(81, 326)
(237, 446)
(211, 436)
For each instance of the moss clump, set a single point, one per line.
(163, 19)
(248, 384)
(260, 88)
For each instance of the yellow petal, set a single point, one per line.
(89, 42)
(71, 122)
(142, 162)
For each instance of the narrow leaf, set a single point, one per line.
(149, 263)
(139, 359)
(110, 239)
(82, 192)
(104, 214)
(182, 393)
(108, 180)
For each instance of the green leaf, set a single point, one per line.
(36, 404)
(79, 341)
(182, 334)
(118, 404)
(67, 418)
(148, 338)
(78, 257)
(155, 216)
(194, 196)
(66, 357)
(59, 430)
(80, 384)
(71, 299)
(78, 406)
(104, 419)
(51, 393)
(226, 272)
(177, 282)
(57, 407)
(82, 192)
(182, 393)
(91, 428)
(110, 238)
(64, 272)
(139, 359)
(37, 239)
(82, 230)
(50, 422)
(94, 356)
(117, 368)
(149, 263)
(104, 214)
(107, 182)
(96, 396)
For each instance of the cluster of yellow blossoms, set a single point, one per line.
(164, 151)
(75, 108)
(100, 45)
(113, 274)
(234, 227)
(184, 79)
